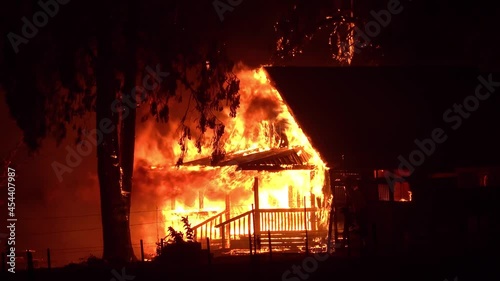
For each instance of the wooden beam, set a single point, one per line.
(227, 228)
(313, 213)
(201, 200)
(291, 197)
(256, 204)
(272, 167)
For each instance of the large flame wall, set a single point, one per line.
(263, 122)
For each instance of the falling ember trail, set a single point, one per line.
(263, 141)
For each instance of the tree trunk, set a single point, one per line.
(115, 224)
(127, 132)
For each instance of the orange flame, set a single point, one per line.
(263, 122)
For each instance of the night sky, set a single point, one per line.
(437, 33)
(376, 114)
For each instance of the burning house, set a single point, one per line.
(273, 185)
(270, 188)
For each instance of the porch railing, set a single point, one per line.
(266, 220)
(207, 228)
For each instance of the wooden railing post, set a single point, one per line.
(254, 230)
(223, 234)
(313, 212)
(227, 216)
(305, 226)
(49, 266)
(142, 251)
(249, 235)
(29, 258)
(270, 245)
(257, 206)
(208, 251)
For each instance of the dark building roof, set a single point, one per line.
(374, 114)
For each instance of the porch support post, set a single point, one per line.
(256, 204)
